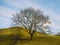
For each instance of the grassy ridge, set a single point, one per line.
(8, 37)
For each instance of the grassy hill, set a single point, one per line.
(8, 37)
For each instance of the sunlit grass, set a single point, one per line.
(7, 37)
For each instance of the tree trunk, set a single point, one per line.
(31, 36)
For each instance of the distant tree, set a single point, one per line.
(31, 19)
(58, 34)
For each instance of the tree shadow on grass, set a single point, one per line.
(11, 39)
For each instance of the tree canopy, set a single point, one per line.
(31, 19)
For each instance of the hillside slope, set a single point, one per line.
(7, 36)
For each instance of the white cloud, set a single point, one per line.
(4, 19)
(5, 16)
(18, 3)
(6, 11)
(54, 25)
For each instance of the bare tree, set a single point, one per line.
(31, 19)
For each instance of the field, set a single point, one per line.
(10, 36)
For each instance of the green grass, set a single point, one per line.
(8, 37)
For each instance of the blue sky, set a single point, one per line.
(50, 8)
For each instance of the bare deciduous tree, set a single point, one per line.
(31, 19)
